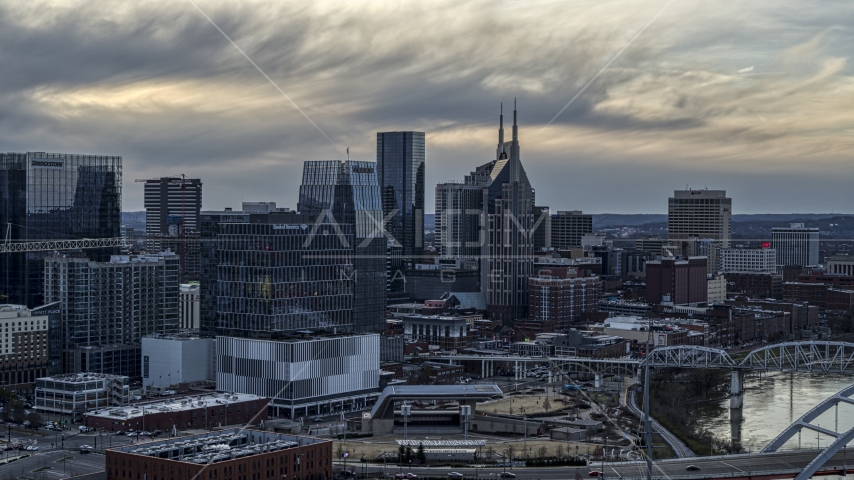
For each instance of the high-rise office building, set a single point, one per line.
(795, 245)
(54, 196)
(107, 307)
(459, 218)
(172, 208)
(348, 192)
(700, 214)
(508, 252)
(271, 274)
(567, 228)
(542, 229)
(209, 264)
(400, 172)
(168, 196)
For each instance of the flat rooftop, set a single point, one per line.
(175, 404)
(80, 377)
(217, 446)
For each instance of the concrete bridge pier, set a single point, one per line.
(736, 389)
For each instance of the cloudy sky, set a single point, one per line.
(753, 97)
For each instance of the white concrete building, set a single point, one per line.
(795, 245)
(172, 359)
(754, 260)
(302, 375)
(189, 307)
(841, 265)
(717, 289)
(73, 394)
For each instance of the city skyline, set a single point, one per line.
(690, 96)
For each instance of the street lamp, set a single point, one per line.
(405, 410)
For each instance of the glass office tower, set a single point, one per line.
(400, 171)
(279, 272)
(54, 196)
(347, 192)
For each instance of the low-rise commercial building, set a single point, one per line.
(234, 454)
(756, 285)
(169, 360)
(303, 376)
(821, 295)
(197, 411)
(449, 333)
(74, 394)
(578, 344)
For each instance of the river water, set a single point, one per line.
(772, 402)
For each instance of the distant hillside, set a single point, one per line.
(754, 227)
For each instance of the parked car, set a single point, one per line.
(120, 432)
(317, 419)
(157, 432)
(32, 448)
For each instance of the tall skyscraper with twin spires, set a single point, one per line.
(502, 238)
(508, 250)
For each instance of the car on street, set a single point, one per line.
(406, 475)
(506, 475)
(595, 473)
(455, 475)
(157, 432)
(32, 448)
(85, 449)
(317, 419)
(120, 432)
(692, 468)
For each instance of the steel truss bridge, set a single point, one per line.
(841, 439)
(810, 356)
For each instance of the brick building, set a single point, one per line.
(559, 296)
(198, 411)
(234, 454)
(828, 279)
(757, 285)
(679, 282)
(822, 295)
(529, 329)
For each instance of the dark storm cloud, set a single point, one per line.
(156, 83)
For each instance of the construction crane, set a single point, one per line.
(51, 245)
